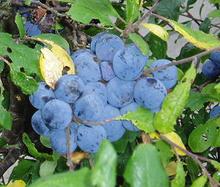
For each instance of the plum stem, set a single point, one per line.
(182, 61)
(69, 153)
(196, 158)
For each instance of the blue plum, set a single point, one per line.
(215, 112)
(107, 71)
(215, 57)
(38, 124)
(114, 129)
(89, 107)
(41, 96)
(167, 76)
(120, 92)
(129, 108)
(106, 47)
(58, 139)
(98, 88)
(32, 29)
(57, 114)
(87, 67)
(90, 137)
(69, 88)
(95, 40)
(79, 52)
(129, 62)
(150, 93)
(210, 69)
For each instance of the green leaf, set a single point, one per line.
(214, 1)
(179, 180)
(86, 10)
(139, 41)
(24, 62)
(192, 168)
(23, 57)
(205, 135)
(205, 26)
(27, 2)
(78, 178)
(157, 30)
(216, 164)
(141, 118)
(165, 152)
(155, 44)
(1, 66)
(25, 170)
(169, 8)
(45, 141)
(132, 10)
(174, 103)
(121, 145)
(33, 151)
(47, 168)
(27, 84)
(3, 142)
(217, 88)
(196, 101)
(57, 39)
(211, 93)
(145, 169)
(180, 74)
(20, 25)
(200, 182)
(5, 118)
(196, 37)
(104, 171)
(190, 2)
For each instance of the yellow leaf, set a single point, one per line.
(171, 168)
(62, 56)
(51, 68)
(54, 62)
(154, 135)
(77, 157)
(172, 136)
(196, 37)
(157, 30)
(16, 183)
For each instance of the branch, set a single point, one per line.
(50, 9)
(196, 158)
(138, 22)
(5, 61)
(182, 61)
(80, 121)
(9, 160)
(198, 21)
(69, 153)
(133, 27)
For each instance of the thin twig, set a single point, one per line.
(5, 60)
(49, 9)
(87, 122)
(133, 27)
(69, 153)
(143, 18)
(196, 158)
(198, 21)
(182, 61)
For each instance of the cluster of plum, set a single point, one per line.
(211, 68)
(109, 82)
